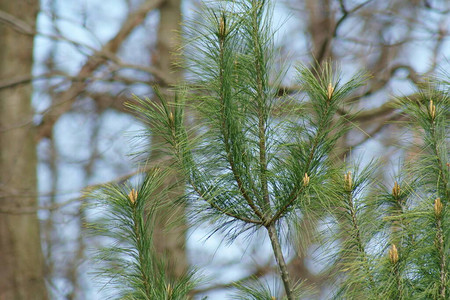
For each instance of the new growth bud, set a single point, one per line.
(348, 182)
(396, 190)
(222, 27)
(169, 290)
(306, 179)
(438, 207)
(133, 196)
(432, 110)
(330, 90)
(393, 254)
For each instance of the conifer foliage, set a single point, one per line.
(255, 160)
(129, 264)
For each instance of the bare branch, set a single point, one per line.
(56, 206)
(16, 23)
(67, 97)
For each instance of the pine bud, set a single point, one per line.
(171, 117)
(348, 182)
(133, 196)
(396, 190)
(330, 90)
(305, 180)
(273, 298)
(432, 110)
(169, 290)
(393, 254)
(438, 207)
(222, 27)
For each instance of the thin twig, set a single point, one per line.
(274, 240)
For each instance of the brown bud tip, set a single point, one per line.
(393, 254)
(438, 207)
(222, 27)
(396, 190)
(306, 179)
(133, 196)
(330, 90)
(432, 110)
(348, 181)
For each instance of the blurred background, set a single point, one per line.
(67, 68)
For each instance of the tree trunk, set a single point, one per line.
(21, 260)
(170, 240)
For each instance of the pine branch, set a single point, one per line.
(274, 240)
(440, 247)
(225, 92)
(129, 263)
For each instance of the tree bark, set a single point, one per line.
(21, 260)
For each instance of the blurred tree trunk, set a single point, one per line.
(170, 239)
(21, 260)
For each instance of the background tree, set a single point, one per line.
(22, 271)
